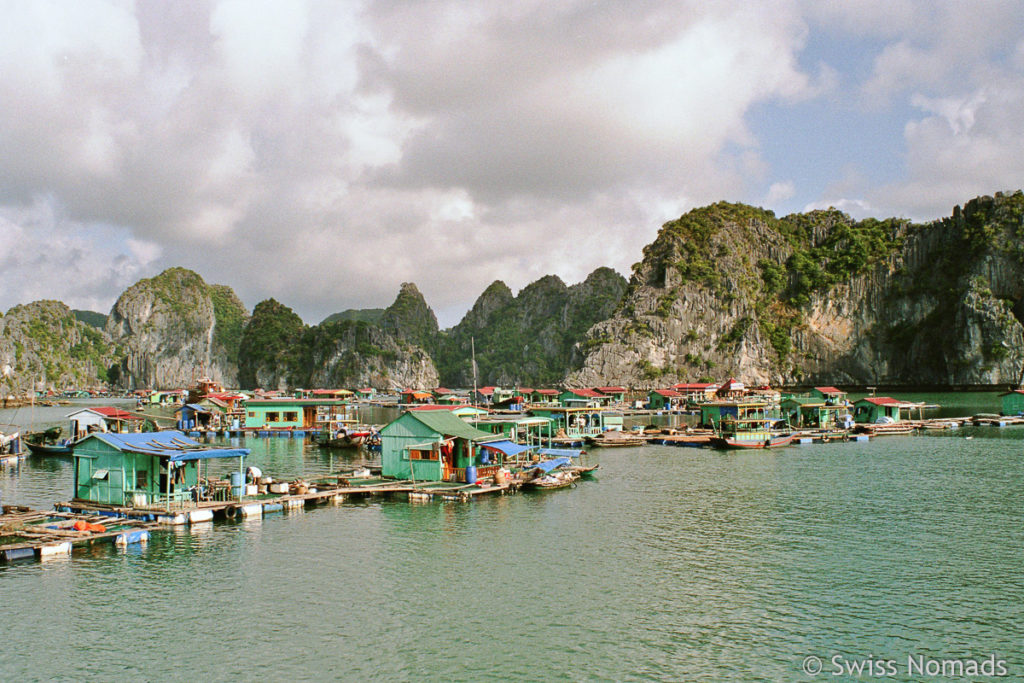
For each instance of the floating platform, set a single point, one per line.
(27, 534)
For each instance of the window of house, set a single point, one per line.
(252, 413)
(141, 479)
(273, 417)
(291, 417)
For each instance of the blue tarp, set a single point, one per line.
(561, 452)
(169, 444)
(548, 465)
(507, 447)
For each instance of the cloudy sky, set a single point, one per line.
(322, 153)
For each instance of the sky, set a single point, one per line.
(323, 153)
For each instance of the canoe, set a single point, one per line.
(50, 449)
(733, 443)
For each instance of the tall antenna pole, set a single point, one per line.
(472, 350)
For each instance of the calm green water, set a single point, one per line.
(676, 564)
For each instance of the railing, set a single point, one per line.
(482, 472)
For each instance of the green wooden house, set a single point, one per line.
(576, 398)
(617, 394)
(1013, 402)
(811, 411)
(829, 395)
(295, 413)
(434, 445)
(142, 469)
(874, 408)
(544, 396)
(713, 414)
(664, 399)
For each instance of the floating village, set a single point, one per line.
(137, 471)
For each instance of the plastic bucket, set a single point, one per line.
(471, 475)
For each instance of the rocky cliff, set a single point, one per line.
(268, 350)
(278, 351)
(43, 346)
(527, 339)
(355, 353)
(174, 327)
(730, 289)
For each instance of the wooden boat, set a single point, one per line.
(615, 438)
(741, 441)
(343, 439)
(555, 479)
(67, 448)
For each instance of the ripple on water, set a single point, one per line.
(677, 564)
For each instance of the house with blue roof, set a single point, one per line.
(142, 469)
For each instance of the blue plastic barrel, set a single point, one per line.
(471, 475)
(236, 484)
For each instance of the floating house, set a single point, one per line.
(1013, 402)
(102, 419)
(295, 413)
(730, 389)
(579, 421)
(664, 399)
(696, 392)
(194, 416)
(617, 394)
(813, 412)
(582, 398)
(713, 414)
(339, 394)
(415, 397)
(830, 395)
(435, 445)
(544, 396)
(874, 409)
(531, 430)
(140, 470)
(365, 394)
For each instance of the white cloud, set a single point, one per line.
(322, 153)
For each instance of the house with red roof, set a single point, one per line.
(102, 419)
(696, 391)
(416, 397)
(873, 409)
(617, 394)
(830, 395)
(731, 388)
(580, 398)
(544, 396)
(664, 399)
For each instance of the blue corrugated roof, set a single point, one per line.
(548, 465)
(168, 444)
(561, 452)
(507, 447)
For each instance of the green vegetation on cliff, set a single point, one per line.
(269, 345)
(527, 339)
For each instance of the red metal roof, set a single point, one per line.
(695, 385)
(882, 400)
(611, 390)
(586, 393)
(828, 390)
(667, 393)
(115, 413)
(547, 392)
